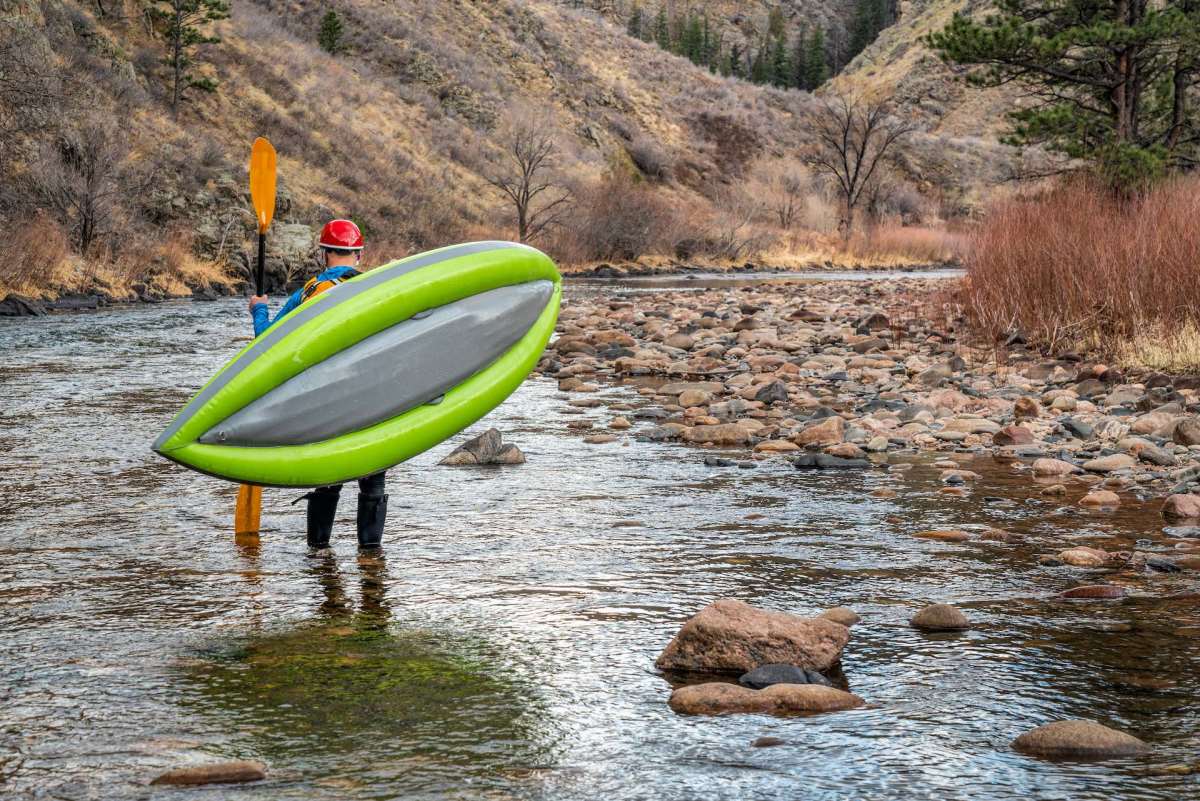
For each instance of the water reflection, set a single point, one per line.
(504, 646)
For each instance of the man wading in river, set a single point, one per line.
(341, 246)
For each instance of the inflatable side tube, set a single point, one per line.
(346, 385)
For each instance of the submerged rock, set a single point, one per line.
(733, 636)
(1094, 591)
(842, 615)
(1081, 739)
(236, 772)
(718, 698)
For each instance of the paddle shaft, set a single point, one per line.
(262, 257)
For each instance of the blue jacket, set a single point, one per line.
(262, 315)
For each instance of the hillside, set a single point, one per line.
(402, 127)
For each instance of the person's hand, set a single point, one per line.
(255, 300)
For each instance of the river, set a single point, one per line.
(504, 647)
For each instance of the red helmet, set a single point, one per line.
(342, 235)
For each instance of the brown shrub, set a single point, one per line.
(615, 218)
(1077, 267)
(32, 255)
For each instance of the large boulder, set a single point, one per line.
(718, 698)
(1080, 739)
(733, 636)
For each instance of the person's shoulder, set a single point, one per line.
(334, 273)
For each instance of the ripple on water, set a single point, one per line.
(506, 646)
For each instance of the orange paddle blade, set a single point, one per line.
(248, 510)
(262, 182)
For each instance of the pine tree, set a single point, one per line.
(330, 35)
(662, 29)
(781, 66)
(179, 22)
(816, 63)
(691, 43)
(634, 26)
(760, 67)
(1111, 82)
(800, 60)
(736, 58)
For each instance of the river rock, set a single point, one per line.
(718, 698)
(1183, 506)
(1081, 739)
(842, 615)
(694, 397)
(768, 742)
(940, 617)
(825, 461)
(1083, 556)
(767, 675)
(485, 449)
(733, 636)
(1053, 467)
(774, 392)
(235, 772)
(619, 424)
(826, 432)
(720, 434)
(1094, 591)
(1026, 409)
(1101, 498)
(943, 535)
(1012, 435)
(1187, 431)
(1109, 464)
(20, 306)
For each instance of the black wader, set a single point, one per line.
(372, 511)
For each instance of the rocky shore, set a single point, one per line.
(867, 375)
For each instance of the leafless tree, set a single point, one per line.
(785, 188)
(853, 139)
(82, 177)
(525, 173)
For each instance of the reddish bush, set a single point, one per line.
(1078, 267)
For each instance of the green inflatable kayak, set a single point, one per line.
(375, 370)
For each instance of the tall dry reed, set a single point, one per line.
(1079, 268)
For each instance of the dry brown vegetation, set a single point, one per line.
(399, 130)
(1077, 268)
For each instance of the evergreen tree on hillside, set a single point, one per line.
(870, 17)
(800, 60)
(180, 23)
(662, 29)
(1114, 82)
(330, 35)
(781, 64)
(634, 26)
(736, 62)
(816, 63)
(760, 67)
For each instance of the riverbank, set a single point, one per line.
(865, 375)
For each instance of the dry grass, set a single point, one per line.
(1077, 268)
(1172, 349)
(42, 266)
(910, 244)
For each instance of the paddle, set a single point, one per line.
(248, 511)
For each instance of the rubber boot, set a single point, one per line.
(322, 508)
(372, 511)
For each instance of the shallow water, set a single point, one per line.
(700, 279)
(504, 646)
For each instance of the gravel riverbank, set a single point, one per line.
(842, 375)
